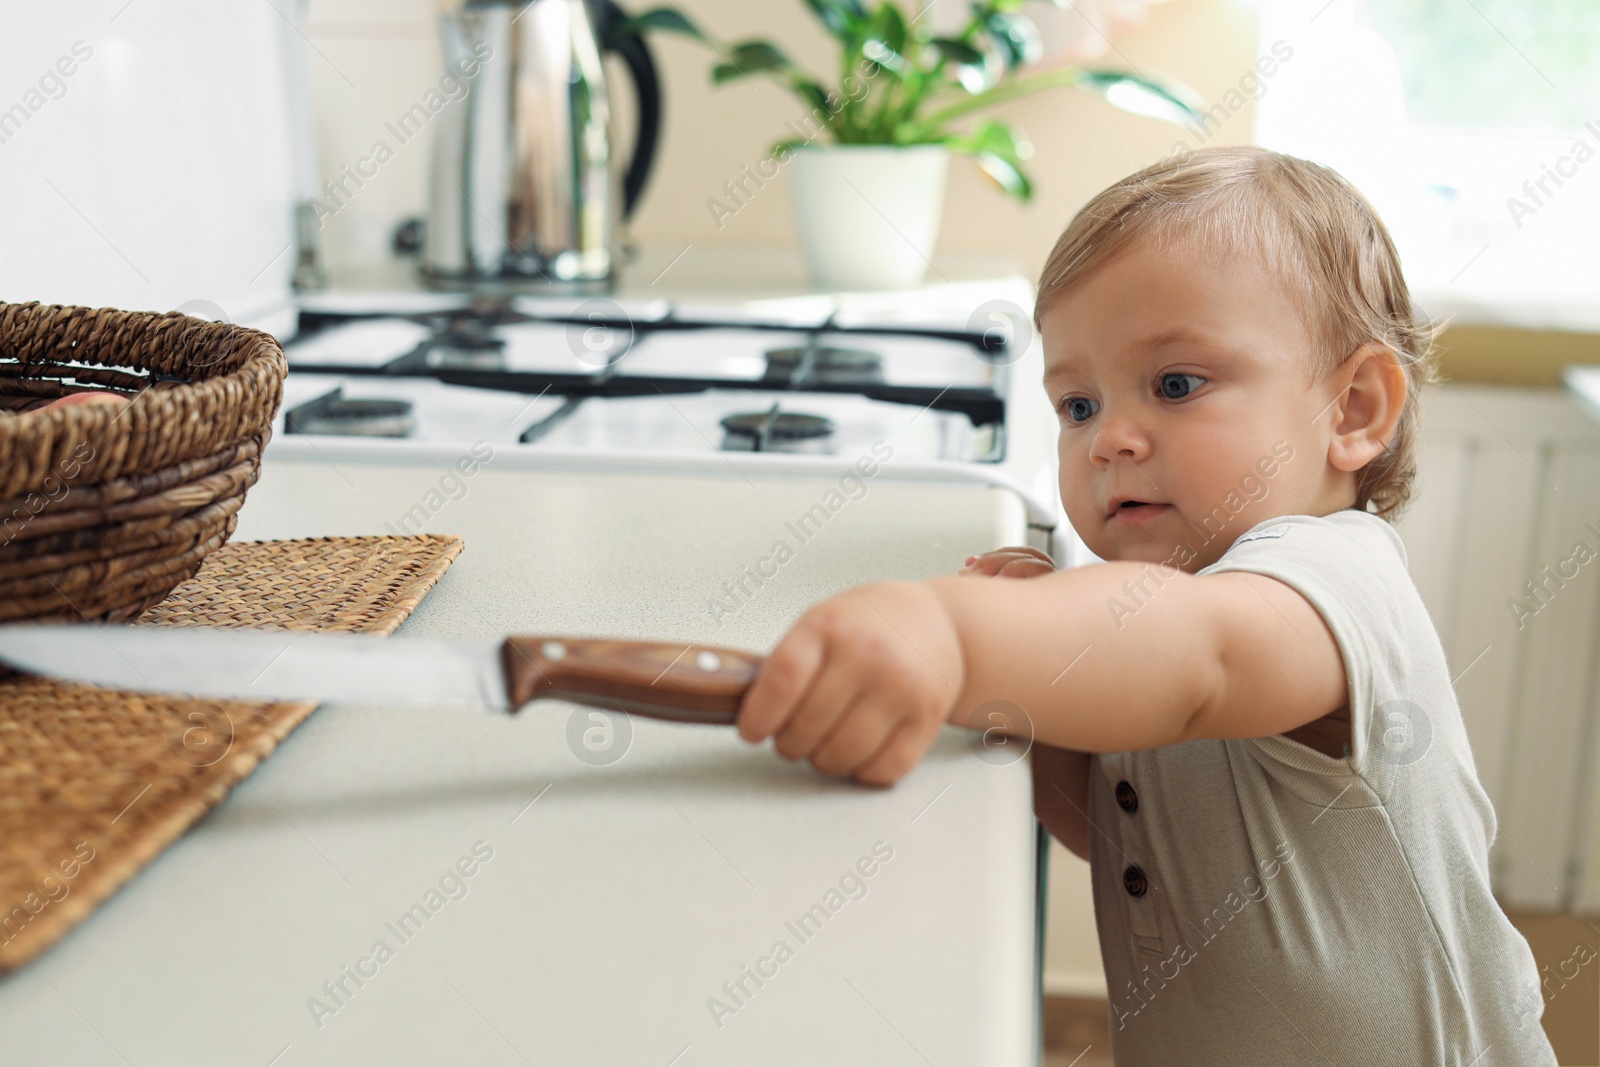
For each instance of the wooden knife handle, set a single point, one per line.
(681, 683)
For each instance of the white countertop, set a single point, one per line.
(619, 898)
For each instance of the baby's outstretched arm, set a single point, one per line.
(1122, 656)
(862, 683)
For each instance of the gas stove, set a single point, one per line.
(647, 376)
(789, 386)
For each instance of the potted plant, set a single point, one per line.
(871, 152)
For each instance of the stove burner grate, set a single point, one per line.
(467, 343)
(332, 414)
(776, 431)
(819, 364)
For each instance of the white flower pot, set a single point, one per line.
(868, 215)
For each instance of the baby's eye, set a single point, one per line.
(1079, 408)
(1178, 386)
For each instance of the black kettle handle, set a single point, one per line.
(647, 90)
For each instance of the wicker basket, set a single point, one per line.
(105, 508)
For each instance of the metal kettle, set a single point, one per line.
(524, 193)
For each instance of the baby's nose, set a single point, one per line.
(1119, 437)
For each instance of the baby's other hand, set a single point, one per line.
(861, 685)
(1010, 563)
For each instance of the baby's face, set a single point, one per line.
(1187, 411)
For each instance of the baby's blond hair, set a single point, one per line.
(1311, 228)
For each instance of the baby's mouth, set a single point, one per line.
(1131, 512)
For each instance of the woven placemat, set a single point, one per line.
(94, 783)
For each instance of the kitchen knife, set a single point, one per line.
(677, 682)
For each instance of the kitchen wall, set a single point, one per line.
(370, 60)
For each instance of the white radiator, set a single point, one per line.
(1504, 543)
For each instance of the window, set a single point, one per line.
(1472, 125)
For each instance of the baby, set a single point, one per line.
(1244, 719)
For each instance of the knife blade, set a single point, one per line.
(676, 682)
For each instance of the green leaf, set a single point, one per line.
(844, 18)
(1166, 100)
(974, 70)
(1005, 173)
(881, 55)
(1017, 37)
(955, 51)
(999, 153)
(994, 137)
(762, 57)
(661, 19)
(751, 57)
(809, 91)
(1142, 95)
(889, 26)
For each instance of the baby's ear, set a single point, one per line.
(1372, 394)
